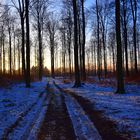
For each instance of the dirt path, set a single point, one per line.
(57, 124)
(106, 128)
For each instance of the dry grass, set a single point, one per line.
(66, 81)
(135, 78)
(103, 82)
(6, 80)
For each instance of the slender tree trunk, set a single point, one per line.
(27, 45)
(98, 43)
(135, 47)
(120, 80)
(79, 42)
(92, 57)
(3, 54)
(95, 58)
(104, 51)
(64, 55)
(23, 47)
(14, 54)
(52, 56)
(134, 14)
(18, 47)
(83, 43)
(10, 51)
(40, 51)
(113, 57)
(69, 52)
(77, 72)
(125, 37)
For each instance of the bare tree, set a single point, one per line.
(18, 38)
(67, 20)
(125, 34)
(39, 10)
(21, 10)
(51, 27)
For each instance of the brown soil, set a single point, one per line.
(106, 128)
(57, 124)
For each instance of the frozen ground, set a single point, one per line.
(37, 113)
(19, 107)
(24, 113)
(124, 109)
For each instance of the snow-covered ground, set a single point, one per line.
(123, 109)
(22, 110)
(19, 107)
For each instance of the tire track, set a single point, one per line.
(106, 128)
(12, 127)
(57, 124)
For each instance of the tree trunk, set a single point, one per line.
(77, 73)
(120, 80)
(104, 51)
(83, 43)
(23, 48)
(40, 51)
(98, 44)
(14, 54)
(52, 61)
(18, 47)
(125, 37)
(27, 45)
(69, 52)
(10, 51)
(134, 14)
(1, 39)
(3, 44)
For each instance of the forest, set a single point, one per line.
(69, 69)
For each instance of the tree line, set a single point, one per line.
(80, 41)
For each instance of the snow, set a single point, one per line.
(84, 128)
(124, 109)
(20, 105)
(22, 110)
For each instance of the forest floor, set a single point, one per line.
(53, 110)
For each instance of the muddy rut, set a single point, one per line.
(57, 124)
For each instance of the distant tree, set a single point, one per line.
(124, 11)
(20, 7)
(134, 15)
(18, 37)
(64, 47)
(103, 16)
(67, 20)
(98, 42)
(3, 48)
(38, 11)
(51, 27)
(14, 50)
(9, 21)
